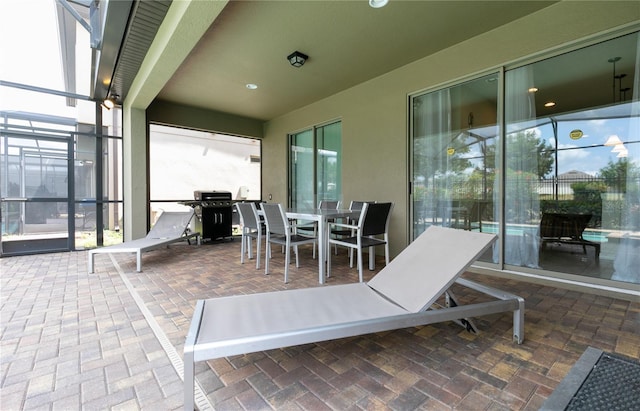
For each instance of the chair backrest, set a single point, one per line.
(329, 205)
(171, 224)
(275, 218)
(375, 218)
(357, 205)
(248, 215)
(429, 265)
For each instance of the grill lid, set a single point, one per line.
(211, 195)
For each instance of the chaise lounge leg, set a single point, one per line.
(518, 322)
(189, 376)
(189, 386)
(139, 261)
(91, 262)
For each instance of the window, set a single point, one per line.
(315, 165)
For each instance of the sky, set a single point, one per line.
(591, 159)
(585, 154)
(587, 159)
(31, 55)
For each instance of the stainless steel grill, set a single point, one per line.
(214, 210)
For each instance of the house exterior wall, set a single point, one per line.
(375, 114)
(163, 112)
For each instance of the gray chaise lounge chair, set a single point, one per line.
(171, 227)
(399, 296)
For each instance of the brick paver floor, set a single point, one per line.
(72, 340)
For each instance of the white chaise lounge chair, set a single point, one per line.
(399, 296)
(171, 227)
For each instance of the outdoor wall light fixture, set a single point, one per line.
(297, 59)
(110, 102)
(376, 4)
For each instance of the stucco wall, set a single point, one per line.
(375, 116)
(167, 113)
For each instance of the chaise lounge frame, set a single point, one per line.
(171, 227)
(393, 299)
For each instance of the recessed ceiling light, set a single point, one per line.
(376, 4)
(252, 86)
(550, 104)
(533, 89)
(618, 148)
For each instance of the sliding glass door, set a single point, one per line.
(572, 161)
(556, 176)
(315, 171)
(454, 150)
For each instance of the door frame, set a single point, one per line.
(46, 242)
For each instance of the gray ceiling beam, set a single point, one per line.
(116, 18)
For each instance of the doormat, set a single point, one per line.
(598, 381)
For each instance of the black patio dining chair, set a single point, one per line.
(353, 220)
(371, 230)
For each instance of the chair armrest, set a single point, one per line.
(341, 225)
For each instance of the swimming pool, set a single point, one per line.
(598, 236)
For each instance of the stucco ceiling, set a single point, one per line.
(348, 43)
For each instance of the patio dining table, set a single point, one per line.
(322, 217)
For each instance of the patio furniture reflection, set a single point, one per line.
(566, 229)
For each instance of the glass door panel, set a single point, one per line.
(315, 165)
(301, 170)
(454, 135)
(328, 168)
(34, 191)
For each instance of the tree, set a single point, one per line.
(615, 174)
(433, 155)
(523, 149)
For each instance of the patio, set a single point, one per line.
(113, 340)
